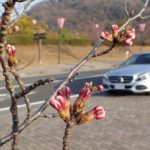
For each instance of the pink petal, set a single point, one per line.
(55, 104)
(61, 100)
(115, 27)
(100, 87)
(101, 116)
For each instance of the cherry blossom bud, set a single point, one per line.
(100, 88)
(15, 28)
(79, 104)
(88, 85)
(58, 103)
(62, 106)
(115, 28)
(85, 94)
(96, 113)
(11, 50)
(105, 35)
(65, 92)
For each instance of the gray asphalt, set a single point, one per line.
(43, 92)
(125, 127)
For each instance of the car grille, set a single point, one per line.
(120, 79)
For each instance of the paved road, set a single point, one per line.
(126, 127)
(43, 92)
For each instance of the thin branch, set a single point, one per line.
(22, 87)
(105, 51)
(145, 17)
(135, 17)
(19, 15)
(28, 89)
(49, 116)
(125, 8)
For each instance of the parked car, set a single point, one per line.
(132, 75)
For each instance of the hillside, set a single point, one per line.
(82, 15)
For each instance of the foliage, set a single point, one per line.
(26, 26)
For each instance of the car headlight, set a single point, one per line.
(143, 77)
(105, 78)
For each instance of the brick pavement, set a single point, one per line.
(126, 127)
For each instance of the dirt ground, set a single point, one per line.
(71, 54)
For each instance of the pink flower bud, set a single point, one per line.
(15, 28)
(100, 88)
(62, 106)
(65, 92)
(105, 35)
(85, 94)
(98, 112)
(58, 103)
(11, 50)
(115, 28)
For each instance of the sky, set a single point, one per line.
(19, 6)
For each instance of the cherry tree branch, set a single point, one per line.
(138, 15)
(22, 13)
(28, 89)
(22, 87)
(126, 9)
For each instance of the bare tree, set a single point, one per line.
(76, 115)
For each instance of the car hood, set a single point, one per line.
(129, 70)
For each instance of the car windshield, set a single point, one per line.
(138, 59)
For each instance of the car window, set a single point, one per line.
(138, 59)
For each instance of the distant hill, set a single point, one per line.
(82, 15)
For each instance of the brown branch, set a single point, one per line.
(67, 136)
(22, 87)
(19, 15)
(9, 5)
(28, 89)
(105, 51)
(49, 116)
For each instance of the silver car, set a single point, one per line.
(133, 75)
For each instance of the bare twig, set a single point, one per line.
(105, 51)
(138, 15)
(21, 85)
(125, 8)
(24, 9)
(28, 89)
(49, 116)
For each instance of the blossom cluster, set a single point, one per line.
(127, 36)
(61, 102)
(11, 51)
